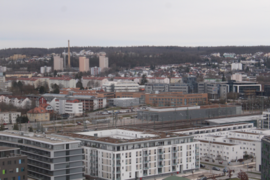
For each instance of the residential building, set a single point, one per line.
(38, 114)
(90, 103)
(95, 71)
(62, 82)
(18, 101)
(67, 106)
(220, 151)
(17, 56)
(158, 80)
(103, 61)
(18, 74)
(159, 87)
(176, 80)
(87, 92)
(9, 117)
(94, 81)
(135, 79)
(122, 86)
(58, 64)
(3, 68)
(131, 154)
(265, 151)
(237, 77)
(45, 69)
(83, 64)
(175, 99)
(13, 164)
(50, 157)
(236, 66)
(124, 102)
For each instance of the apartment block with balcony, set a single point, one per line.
(128, 154)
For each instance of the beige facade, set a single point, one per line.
(33, 117)
(103, 62)
(17, 56)
(58, 63)
(83, 64)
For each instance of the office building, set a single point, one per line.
(175, 99)
(265, 151)
(83, 64)
(103, 61)
(13, 164)
(131, 154)
(139, 95)
(50, 157)
(122, 86)
(58, 64)
(244, 88)
(191, 81)
(164, 87)
(215, 90)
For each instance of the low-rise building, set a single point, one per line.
(13, 163)
(38, 114)
(9, 117)
(18, 74)
(121, 86)
(124, 102)
(67, 106)
(94, 81)
(62, 82)
(164, 87)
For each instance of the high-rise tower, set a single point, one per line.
(103, 61)
(68, 54)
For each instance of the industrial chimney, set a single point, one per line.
(68, 54)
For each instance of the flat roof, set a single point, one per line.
(233, 119)
(242, 139)
(111, 139)
(247, 133)
(220, 143)
(44, 138)
(5, 148)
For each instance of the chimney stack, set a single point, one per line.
(68, 54)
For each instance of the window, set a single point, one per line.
(17, 170)
(20, 161)
(22, 169)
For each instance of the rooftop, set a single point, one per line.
(5, 148)
(219, 143)
(234, 119)
(53, 139)
(118, 136)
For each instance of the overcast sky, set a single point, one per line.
(50, 23)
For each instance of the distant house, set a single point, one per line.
(38, 114)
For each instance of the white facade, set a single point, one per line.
(237, 77)
(64, 106)
(158, 80)
(62, 82)
(132, 157)
(94, 81)
(2, 82)
(18, 102)
(236, 66)
(9, 117)
(45, 69)
(95, 71)
(122, 86)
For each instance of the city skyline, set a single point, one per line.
(133, 23)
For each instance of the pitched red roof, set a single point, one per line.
(60, 78)
(94, 78)
(38, 110)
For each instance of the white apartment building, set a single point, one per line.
(94, 81)
(121, 86)
(158, 80)
(236, 66)
(62, 82)
(66, 106)
(2, 82)
(127, 154)
(20, 102)
(45, 69)
(220, 150)
(9, 117)
(243, 134)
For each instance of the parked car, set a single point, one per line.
(216, 168)
(79, 123)
(202, 165)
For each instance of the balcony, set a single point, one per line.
(175, 157)
(160, 152)
(144, 174)
(145, 155)
(145, 168)
(160, 166)
(174, 151)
